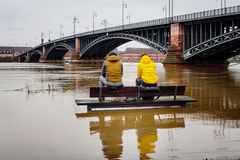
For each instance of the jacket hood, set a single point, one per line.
(145, 59)
(113, 58)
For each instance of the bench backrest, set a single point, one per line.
(133, 91)
(121, 92)
(164, 91)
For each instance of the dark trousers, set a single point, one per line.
(140, 82)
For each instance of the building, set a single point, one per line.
(10, 53)
(133, 54)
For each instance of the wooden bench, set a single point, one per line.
(137, 92)
(164, 96)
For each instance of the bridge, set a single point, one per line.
(208, 36)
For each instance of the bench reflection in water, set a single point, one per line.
(111, 124)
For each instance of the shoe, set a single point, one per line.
(130, 99)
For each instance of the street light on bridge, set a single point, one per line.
(42, 36)
(129, 18)
(49, 35)
(164, 9)
(223, 4)
(74, 24)
(104, 22)
(170, 8)
(94, 15)
(124, 5)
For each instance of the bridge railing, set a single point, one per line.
(207, 14)
(181, 18)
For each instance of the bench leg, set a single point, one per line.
(184, 105)
(101, 99)
(89, 108)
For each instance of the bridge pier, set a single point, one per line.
(76, 52)
(175, 51)
(174, 56)
(42, 58)
(27, 60)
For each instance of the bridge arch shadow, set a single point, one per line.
(101, 46)
(35, 56)
(57, 51)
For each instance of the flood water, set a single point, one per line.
(39, 119)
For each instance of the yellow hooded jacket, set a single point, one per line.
(113, 67)
(147, 70)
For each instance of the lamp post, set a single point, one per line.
(124, 5)
(223, 6)
(223, 3)
(164, 9)
(129, 18)
(94, 15)
(49, 33)
(61, 27)
(170, 8)
(42, 36)
(104, 23)
(74, 24)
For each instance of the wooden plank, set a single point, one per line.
(121, 92)
(163, 101)
(164, 91)
(133, 91)
(170, 90)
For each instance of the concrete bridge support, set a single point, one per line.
(27, 57)
(174, 52)
(43, 55)
(76, 52)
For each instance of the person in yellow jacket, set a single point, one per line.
(146, 72)
(112, 71)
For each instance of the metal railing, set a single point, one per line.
(182, 18)
(200, 48)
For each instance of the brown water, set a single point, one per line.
(40, 120)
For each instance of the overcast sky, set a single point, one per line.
(23, 21)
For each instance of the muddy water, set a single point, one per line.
(40, 120)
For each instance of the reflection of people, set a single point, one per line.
(146, 74)
(112, 71)
(111, 125)
(147, 135)
(111, 133)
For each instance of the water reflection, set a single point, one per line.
(110, 126)
(216, 88)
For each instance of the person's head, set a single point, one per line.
(144, 54)
(112, 54)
